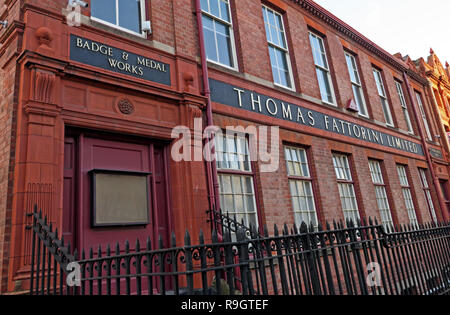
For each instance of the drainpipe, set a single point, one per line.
(436, 183)
(211, 167)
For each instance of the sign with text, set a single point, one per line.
(227, 94)
(110, 58)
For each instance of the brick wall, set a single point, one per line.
(9, 46)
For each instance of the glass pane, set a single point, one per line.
(224, 47)
(237, 189)
(224, 13)
(387, 111)
(324, 84)
(210, 40)
(104, 10)
(214, 6)
(204, 5)
(130, 15)
(357, 92)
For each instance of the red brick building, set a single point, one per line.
(90, 105)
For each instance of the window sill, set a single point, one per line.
(220, 66)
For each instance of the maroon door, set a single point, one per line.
(84, 154)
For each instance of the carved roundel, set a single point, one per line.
(125, 107)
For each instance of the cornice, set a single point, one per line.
(343, 28)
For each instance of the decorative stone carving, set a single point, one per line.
(188, 79)
(125, 107)
(43, 86)
(45, 37)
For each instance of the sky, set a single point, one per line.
(410, 27)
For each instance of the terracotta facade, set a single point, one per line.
(55, 109)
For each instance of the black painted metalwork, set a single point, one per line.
(346, 259)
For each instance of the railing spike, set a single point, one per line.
(303, 228)
(295, 229)
(214, 236)
(173, 239)
(285, 229)
(160, 241)
(201, 237)
(149, 243)
(138, 245)
(265, 230)
(187, 238)
(99, 251)
(275, 229)
(320, 227)
(117, 248)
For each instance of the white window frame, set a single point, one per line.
(401, 95)
(232, 40)
(357, 85)
(327, 70)
(237, 168)
(383, 97)
(299, 174)
(143, 19)
(427, 191)
(285, 50)
(424, 116)
(346, 187)
(381, 194)
(407, 195)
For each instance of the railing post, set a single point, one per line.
(243, 259)
(306, 241)
(189, 265)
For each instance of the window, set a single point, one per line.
(356, 84)
(381, 195)
(127, 15)
(427, 191)
(300, 183)
(383, 98)
(424, 116)
(322, 68)
(406, 189)
(401, 95)
(218, 32)
(346, 187)
(278, 50)
(237, 195)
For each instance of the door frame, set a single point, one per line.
(79, 134)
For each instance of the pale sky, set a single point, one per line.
(410, 27)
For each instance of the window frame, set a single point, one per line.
(348, 181)
(229, 24)
(423, 174)
(327, 70)
(383, 96)
(419, 100)
(404, 104)
(359, 85)
(242, 174)
(376, 169)
(285, 50)
(116, 26)
(408, 188)
(296, 178)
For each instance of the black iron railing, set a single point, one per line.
(358, 259)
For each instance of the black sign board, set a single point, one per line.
(114, 59)
(227, 94)
(436, 153)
